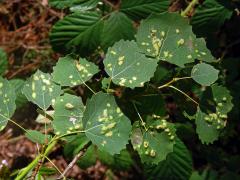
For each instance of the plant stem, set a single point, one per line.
(189, 8)
(68, 134)
(18, 125)
(173, 87)
(109, 85)
(27, 169)
(54, 166)
(89, 88)
(140, 117)
(109, 3)
(172, 81)
(75, 159)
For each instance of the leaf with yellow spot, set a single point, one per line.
(7, 102)
(169, 37)
(105, 124)
(177, 166)
(67, 119)
(155, 144)
(70, 72)
(209, 123)
(208, 133)
(222, 98)
(41, 90)
(126, 66)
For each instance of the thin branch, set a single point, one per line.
(34, 163)
(173, 81)
(140, 117)
(17, 125)
(189, 8)
(109, 3)
(76, 158)
(54, 166)
(173, 87)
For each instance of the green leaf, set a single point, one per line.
(217, 116)
(40, 90)
(68, 114)
(125, 65)
(70, 72)
(7, 99)
(37, 136)
(207, 132)
(80, 30)
(61, 4)
(18, 84)
(177, 166)
(74, 5)
(3, 61)
(195, 176)
(223, 99)
(209, 17)
(204, 74)
(84, 5)
(105, 124)
(44, 170)
(154, 144)
(118, 26)
(138, 9)
(169, 37)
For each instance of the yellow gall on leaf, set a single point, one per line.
(145, 144)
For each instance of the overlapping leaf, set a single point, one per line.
(7, 99)
(70, 72)
(138, 9)
(126, 66)
(41, 90)
(204, 74)
(3, 61)
(105, 124)
(177, 166)
(68, 114)
(18, 84)
(209, 17)
(169, 37)
(118, 26)
(155, 144)
(80, 31)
